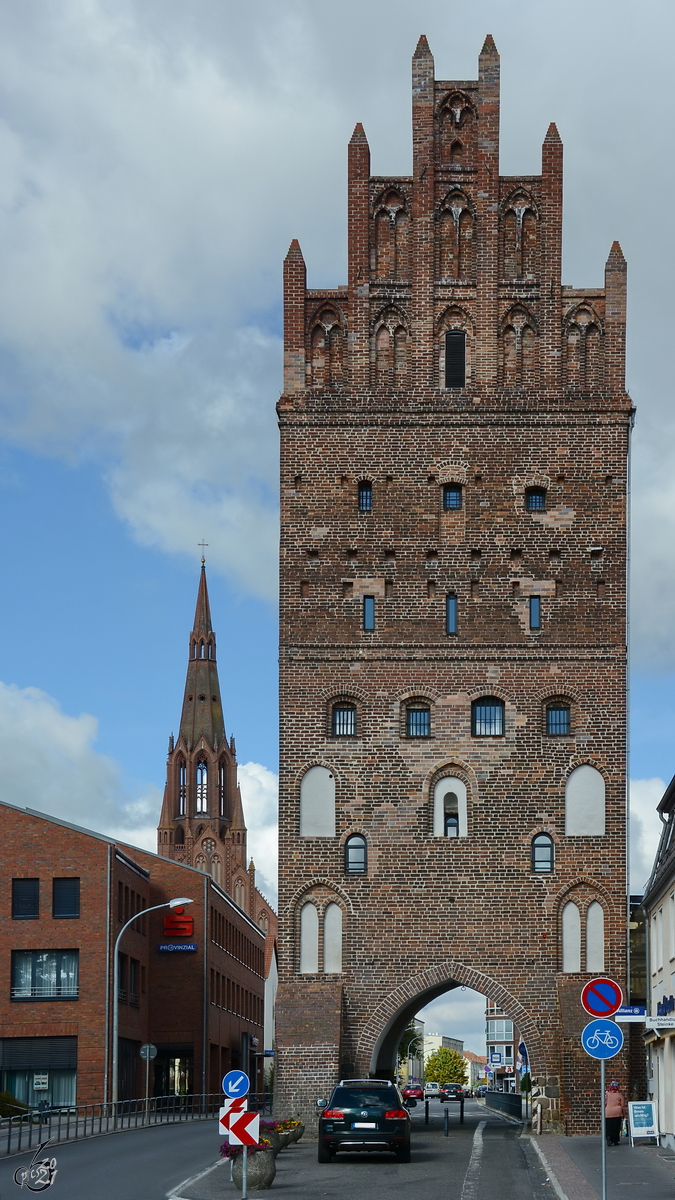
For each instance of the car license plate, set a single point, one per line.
(365, 1125)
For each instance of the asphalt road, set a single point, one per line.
(484, 1159)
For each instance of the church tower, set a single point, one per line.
(202, 822)
(454, 442)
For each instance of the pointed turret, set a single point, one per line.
(202, 715)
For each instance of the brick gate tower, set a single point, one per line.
(454, 440)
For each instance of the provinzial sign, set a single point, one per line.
(643, 1119)
(601, 997)
(177, 947)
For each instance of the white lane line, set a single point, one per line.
(173, 1194)
(470, 1187)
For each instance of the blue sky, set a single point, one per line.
(156, 159)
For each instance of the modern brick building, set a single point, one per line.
(454, 441)
(191, 983)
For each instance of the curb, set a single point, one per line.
(552, 1179)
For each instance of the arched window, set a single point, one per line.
(535, 499)
(202, 798)
(365, 496)
(317, 803)
(263, 922)
(221, 787)
(455, 358)
(383, 356)
(332, 940)
(200, 862)
(595, 937)
(542, 854)
(452, 496)
(182, 787)
(309, 939)
(558, 719)
(318, 359)
(356, 855)
(201, 649)
(418, 721)
(571, 938)
(240, 893)
(343, 720)
(487, 717)
(450, 815)
(585, 803)
(215, 869)
(180, 836)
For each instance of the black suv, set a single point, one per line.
(451, 1091)
(364, 1114)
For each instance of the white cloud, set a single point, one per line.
(459, 1014)
(645, 829)
(260, 797)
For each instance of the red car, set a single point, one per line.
(413, 1092)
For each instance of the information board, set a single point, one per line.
(643, 1118)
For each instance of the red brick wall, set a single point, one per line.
(545, 405)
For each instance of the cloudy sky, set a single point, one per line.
(156, 158)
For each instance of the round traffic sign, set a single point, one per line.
(147, 1050)
(601, 997)
(235, 1084)
(602, 1039)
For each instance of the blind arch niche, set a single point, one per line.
(317, 803)
(449, 801)
(585, 803)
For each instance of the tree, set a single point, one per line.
(408, 1036)
(445, 1066)
(526, 1083)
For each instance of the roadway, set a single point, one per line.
(484, 1158)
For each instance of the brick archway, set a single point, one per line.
(378, 1042)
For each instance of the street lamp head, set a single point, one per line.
(179, 900)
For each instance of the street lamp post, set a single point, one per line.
(411, 1057)
(116, 983)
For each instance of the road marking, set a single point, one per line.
(470, 1187)
(174, 1193)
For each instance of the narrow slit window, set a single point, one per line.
(452, 496)
(369, 613)
(542, 854)
(365, 496)
(535, 612)
(558, 720)
(451, 613)
(455, 358)
(356, 855)
(418, 722)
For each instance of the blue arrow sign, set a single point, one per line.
(235, 1084)
(602, 1039)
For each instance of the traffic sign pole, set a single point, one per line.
(603, 1129)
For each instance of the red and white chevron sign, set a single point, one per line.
(230, 1108)
(245, 1129)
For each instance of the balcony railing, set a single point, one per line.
(66, 991)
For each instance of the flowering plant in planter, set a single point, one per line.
(229, 1151)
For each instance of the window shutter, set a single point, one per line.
(455, 358)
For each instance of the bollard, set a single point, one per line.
(426, 1112)
(446, 1121)
(461, 1111)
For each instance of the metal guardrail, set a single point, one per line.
(89, 1120)
(508, 1102)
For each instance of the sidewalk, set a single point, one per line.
(573, 1167)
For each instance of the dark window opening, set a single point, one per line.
(487, 717)
(535, 612)
(542, 854)
(451, 614)
(535, 499)
(45, 974)
(452, 496)
(418, 722)
(558, 720)
(25, 899)
(369, 613)
(365, 496)
(344, 720)
(356, 855)
(66, 898)
(455, 358)
(451, 825)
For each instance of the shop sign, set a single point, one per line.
(40, 1082)
(173, 947)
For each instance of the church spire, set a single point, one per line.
(202, 715)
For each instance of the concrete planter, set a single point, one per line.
(284, 1138)
(260, 1170)
(297, 1132)
(274, 1139)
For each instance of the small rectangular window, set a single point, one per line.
(369, 613)
(535, 612)
(25, 899)
(365, 496)
(66, 897)
(451, 614)
(344, 721)
(455, 358)
(418, 722)
(487, 718)
(452, 496)
(558, 720)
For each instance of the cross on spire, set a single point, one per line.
(203, 545)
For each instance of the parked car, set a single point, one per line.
(413, 1091)
(431, 1090)
(451, 1091)
(364, 1114)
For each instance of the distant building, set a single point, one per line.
(434, 1041)
(502, 1040)
(659, 910)
(475, 1066)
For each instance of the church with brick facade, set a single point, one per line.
(454, 446)
(202, 820)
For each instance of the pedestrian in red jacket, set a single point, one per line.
(615, 1111)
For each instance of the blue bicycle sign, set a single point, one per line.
(602, 1039)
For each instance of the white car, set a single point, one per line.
(431, 1090)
